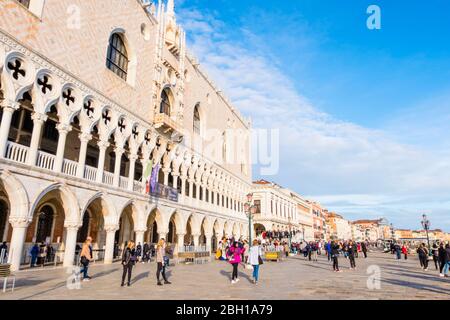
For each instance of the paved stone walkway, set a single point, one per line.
(293, 278)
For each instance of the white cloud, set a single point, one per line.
(363, 171)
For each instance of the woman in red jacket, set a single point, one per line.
(234, 257)
(405, 251)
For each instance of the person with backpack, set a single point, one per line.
(398, 251)
(129, 258)
(42, 254)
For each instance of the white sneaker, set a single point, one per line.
(233, 281)
(86, 279)
(441, 275)
(237, 279)
(425, 269)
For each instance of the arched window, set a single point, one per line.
(165, 102)
(45, 224)
(117, 59)
(3, 219)
(196, 120)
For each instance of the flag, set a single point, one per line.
(154, 177)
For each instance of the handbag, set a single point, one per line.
(260, 260)
(84, 261)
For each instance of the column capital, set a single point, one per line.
(39, 117)
(181, 234)
(110, 229)
(140, 230)
(133, 157)
(103, 144)
(85, 137)
(72, 225)
(119, 150)
(9, 105)
(63, 128)
(18, 222)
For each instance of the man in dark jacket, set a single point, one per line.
(364, 248)
(334, 255)
(441, 255)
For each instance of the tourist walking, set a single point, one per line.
(34, 254)
(423, 256)
(405, 251)
(398, 251)
(335, 255)
(145, 253)
(447, 260)
(328, 250)
(351, 255)
(364, 248)
(235, 258)
(435, 254)
(441, 253)
(161, 266)
(129, 258)
(86, 258)
(255, 259)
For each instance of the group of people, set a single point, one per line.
(440, 255)
(130, 256)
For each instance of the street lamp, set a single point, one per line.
(426, 225)
(290, 232)
(250, 211)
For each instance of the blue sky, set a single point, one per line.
(365, 114)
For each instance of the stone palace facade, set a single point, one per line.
(94, 95)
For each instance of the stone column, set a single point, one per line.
(180, 240)
(204, 193)
(109, 245)
(5, 126)
(166, 176)
(191, 189)
(196, 238)
(17, 241)
(119, 152)
(183, 186)
(84, 140)
(145, 163)
(133, 158)
(162, 234)
(175, 180)
(140, 236)
(38, 122)
(102, 145)
(208, 240)
(63, 130)
(71, 243)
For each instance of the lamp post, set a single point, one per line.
(250, 210)
(290, 232)
(426, 225)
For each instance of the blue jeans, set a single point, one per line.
(84, 270)
(256, 272)
(446, 267)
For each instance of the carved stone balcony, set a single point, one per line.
(166, 124)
